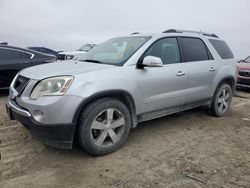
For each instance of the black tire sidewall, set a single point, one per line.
(216, 97)
(88, 117)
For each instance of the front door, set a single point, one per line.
(164, 87)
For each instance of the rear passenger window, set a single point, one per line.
(222, 48)
(13, 55)
(27, 56)
(194, 49)
(7, 54)
(167, 49)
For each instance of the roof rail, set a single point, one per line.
(187, 31)
(134, 33)
(172, 31)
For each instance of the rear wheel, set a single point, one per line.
(104, 126)
(222, 100)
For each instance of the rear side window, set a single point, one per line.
(222, 48)
(12, 55)
(194, 49)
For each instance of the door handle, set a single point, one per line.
(180, 73)
(212, 69)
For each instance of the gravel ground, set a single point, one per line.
(188, 149)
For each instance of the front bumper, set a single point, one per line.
(56, 135)
(243, 82)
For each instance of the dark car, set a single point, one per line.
(44, 50)
(244, 73)
(14, 59)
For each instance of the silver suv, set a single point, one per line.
(98, 98)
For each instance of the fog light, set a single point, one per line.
(38, 115)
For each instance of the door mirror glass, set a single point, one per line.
(152, 61)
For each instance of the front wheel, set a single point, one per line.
(104, 126)
(222, 100)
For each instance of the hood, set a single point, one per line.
(62, 68)
(73, 53)
(243, 66)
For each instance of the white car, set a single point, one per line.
(74, 54)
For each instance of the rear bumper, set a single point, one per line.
(55, 135)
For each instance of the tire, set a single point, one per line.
(222, 100)
(104, 126)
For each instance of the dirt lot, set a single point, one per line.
(189, 149)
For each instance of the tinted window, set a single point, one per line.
(42, 50)
(33, 48)
(194, 49)
(12, 55)
(26, 55)
(222, 48)
(45, 50)
(6, 54)
(167, 49)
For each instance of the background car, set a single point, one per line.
(44, 50)
(74, 54)
(244, 73)
(13, 59)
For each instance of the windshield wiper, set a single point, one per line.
(92, 60)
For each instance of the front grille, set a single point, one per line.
(20, 83)
(244, 81)
(61, 56)
(245, 73)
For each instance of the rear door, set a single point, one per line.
(201, 70)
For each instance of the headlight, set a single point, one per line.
(52, 86)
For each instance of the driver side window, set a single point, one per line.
(167, 49)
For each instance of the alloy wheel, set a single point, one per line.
(223, 102)
(107, 128)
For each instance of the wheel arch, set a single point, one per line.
(121, 95)
(229, 80)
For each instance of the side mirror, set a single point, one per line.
(152, 61)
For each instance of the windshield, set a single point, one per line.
(247, 60)
(86, 47)
(115, 51)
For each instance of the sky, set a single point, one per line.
(69, 24)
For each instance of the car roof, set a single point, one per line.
(38, 47)
(14, 47)
(175, 32)
(23, 49)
